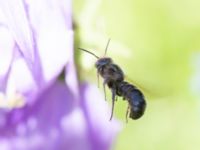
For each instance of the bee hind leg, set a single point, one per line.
(113, 103)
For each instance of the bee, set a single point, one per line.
(113, 77)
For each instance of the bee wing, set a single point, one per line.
(141, 86)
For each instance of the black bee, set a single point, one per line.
(114, 78)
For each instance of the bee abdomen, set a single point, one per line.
(135, 98)
(137, 104)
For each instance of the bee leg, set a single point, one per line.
(127, 112)
(113, 103)
(98, 79)
(104, 88)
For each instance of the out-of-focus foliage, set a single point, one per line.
(157, 43)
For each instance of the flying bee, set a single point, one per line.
(113, 77)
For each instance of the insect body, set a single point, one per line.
(114, 78)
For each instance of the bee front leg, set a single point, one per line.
(113, 102)
(104, 88)
(98, 78)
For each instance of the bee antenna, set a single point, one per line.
(89, 52)
(107, 46)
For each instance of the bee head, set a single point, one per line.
(103, 62)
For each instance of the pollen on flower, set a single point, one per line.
(11, 101)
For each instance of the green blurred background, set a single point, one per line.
(157, 44)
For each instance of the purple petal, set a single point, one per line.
(39, 46)
(20, 78)
(42, 31)
(57, 122)
(53, 33)
(17, 23)
(6, 55)
(101, 131)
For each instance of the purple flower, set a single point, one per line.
(38, 111)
